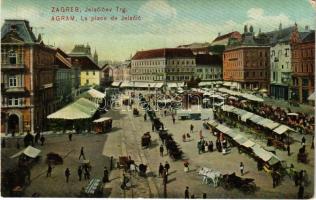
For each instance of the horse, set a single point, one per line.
(210, 174)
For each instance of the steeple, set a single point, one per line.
(95, 56)
(280, 26)
(245, 29)
(251, 29)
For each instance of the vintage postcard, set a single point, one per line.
(158, 99)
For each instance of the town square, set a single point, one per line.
(151, 109)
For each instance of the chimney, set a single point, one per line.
(306, 28)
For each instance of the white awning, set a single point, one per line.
(255, 118)
(95, 93)
(222, 128)
(80, 109)
(172, 85)
(261, 153)
(268, 123)
(28, 151)
(246, 116)
(126, 84)
(282, 129)
(311, 97)
(212, 123)
(158, 85)
(206, 83)
(227, 108)
(248, 143)
(116, 83)
(102, 119)
(227, 84)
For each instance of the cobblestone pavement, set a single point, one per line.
(125, 140)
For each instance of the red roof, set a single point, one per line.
(84, 62)
(207, 59)
(163, 53)
(228, 35)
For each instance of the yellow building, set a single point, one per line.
(90, 73)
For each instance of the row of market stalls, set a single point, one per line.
(240, 94)
(269, 160)
(137, 84)
(279, 130)
(210, 83)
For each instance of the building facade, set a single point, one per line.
(84, 50)
(160, 65)
(90, 73)
(303, 63)
(208, 67)
(28, 74)
(246, 64)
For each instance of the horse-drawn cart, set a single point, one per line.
(146, 140)
(246, 185)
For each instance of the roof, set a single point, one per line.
(19, 27)
(94, 93)
(61, 61)
(309, 37)
(195, 45)
(102, 119)
(164, 53)
(80, 109)
(207, 59)
(28, 151)
(85, 62)
(226, 36)
(80, 49)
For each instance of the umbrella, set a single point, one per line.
(232, 97)
(264, 90)
(292, 114)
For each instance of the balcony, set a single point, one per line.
(14, 90)
(8, 66)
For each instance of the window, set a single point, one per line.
(87, 81)
(12, 81)
(87, 73)
(93, 72)
(12, 57)
(15, 101)
(286, 52)
(305, 82)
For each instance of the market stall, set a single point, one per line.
(102, 125)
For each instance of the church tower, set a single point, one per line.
(95, 56)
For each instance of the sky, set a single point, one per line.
(163, 23)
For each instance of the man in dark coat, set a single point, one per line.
(70, 136)
(161, 150)
(167, 167)
(186, 193)
(288, 150)
(82, 154)
(160, 170)
(42, 140)
(79, 173)
(300, 194)
(67, 174)
(105, 175)
(49, 171)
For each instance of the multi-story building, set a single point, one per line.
(246, 63)
(208, 67)
(82, 50)
(280, 60)
(27, 78)
(63, 79)
(224, 39)
(90, 73)
(303, 63)
(160, 65)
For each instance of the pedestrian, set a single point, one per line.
(192, 196)
(242, 168)
(300, 194)
(186, 193)
(13, 133)
(173, 120)
(205, 146)
(312, 146)
(303, 141)
(204, 195)
(42, 139)
(161, 150)
(186, 166)
(105, 175)
(183, 137)
(70, 136)
(86, 174)
(167, 167)
(191, 128)
(3, 143)
(49, 171)
(210, 146)
(165, 177)
(67, 174)
(79, 173)
(37, 137)
(160, 170)
(165, 112)
(111, 163)
(199, 146)
(273, 179)
(153, 127)
(145, 117)
(200, 134)
(288, 150)
(82, 154)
